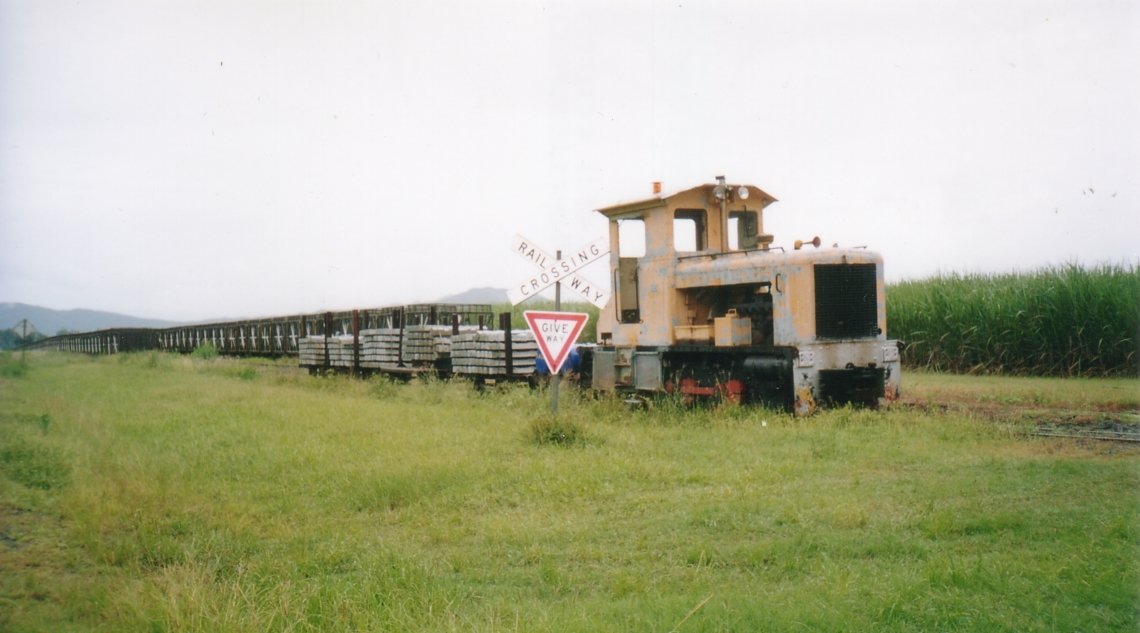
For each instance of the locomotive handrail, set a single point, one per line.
(742, 251)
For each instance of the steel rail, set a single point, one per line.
(1108, 436)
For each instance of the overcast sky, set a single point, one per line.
(198, 159)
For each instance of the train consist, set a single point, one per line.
(399, 339)
(703, 305)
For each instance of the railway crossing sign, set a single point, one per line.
(556, 333)
(553, 270)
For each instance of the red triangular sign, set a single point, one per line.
(556, 333)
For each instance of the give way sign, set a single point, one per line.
(556, 333)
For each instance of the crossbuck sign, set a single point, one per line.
(553, 270)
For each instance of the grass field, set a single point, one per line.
(149, 492)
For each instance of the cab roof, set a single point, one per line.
(701, 195)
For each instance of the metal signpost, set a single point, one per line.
(557, 331)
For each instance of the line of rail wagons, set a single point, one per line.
(704, 305)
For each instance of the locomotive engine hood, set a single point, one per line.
(757, 266)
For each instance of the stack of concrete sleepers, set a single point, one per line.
(311, 350)
(340, 351)
(421, 342)
(485, 353)
(428, 343)
(380, 348)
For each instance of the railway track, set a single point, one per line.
(1108, 425)
(1108, 431)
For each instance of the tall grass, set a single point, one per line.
(1061, 321)
(12, 366)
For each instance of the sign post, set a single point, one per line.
(556, 332)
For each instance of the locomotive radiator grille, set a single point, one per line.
(846, 302)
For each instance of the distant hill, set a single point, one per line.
(49, 322)
(478, 295)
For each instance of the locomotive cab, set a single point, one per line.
(705, 305)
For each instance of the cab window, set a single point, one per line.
(690, 230)
(631, 237)
(743, 230)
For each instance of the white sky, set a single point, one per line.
(197, 159)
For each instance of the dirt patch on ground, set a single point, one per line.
(22, 529)
(1109, 423)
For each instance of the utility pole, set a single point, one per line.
(23, 325)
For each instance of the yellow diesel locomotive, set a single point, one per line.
(704, 305)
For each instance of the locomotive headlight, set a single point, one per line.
(742, 192)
